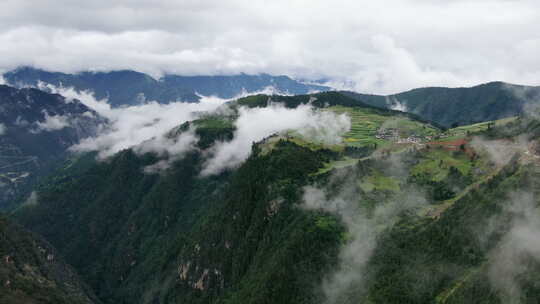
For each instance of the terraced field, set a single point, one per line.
(365, 124)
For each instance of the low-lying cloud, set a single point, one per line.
(52, 123)
(395, 104)
(501, 151)
(529, 96)
(169, 147)
(363, 227)
(145, 127)
(130, 126)
(519, 245)
(254, 124)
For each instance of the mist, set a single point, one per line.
(254, 124)
(363, 226)
(517, 226)
(130, 126)
(394, 104)
(520, 245)
(169, 147)
(500, 152)
(52, 123)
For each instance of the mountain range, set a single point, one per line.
(445, 106)
(131, 87)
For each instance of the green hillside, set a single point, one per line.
(460, 106)
(32, 271)
(394, 214)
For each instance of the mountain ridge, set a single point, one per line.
(459, 106)
(128, 87)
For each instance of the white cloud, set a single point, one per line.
(394, 104)
(170, 147)
(500, 152)
(2, 129)
(382, 46)
(254, 124)
(145, 126)
(52, 123)
(131, 126)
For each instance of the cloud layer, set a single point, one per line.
(382, 46)
(130, 126)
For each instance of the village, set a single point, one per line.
(393, 135)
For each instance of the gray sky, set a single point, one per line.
(380, 46)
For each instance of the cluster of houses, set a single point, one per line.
(392, 134)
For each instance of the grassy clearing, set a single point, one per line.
(380, 182)
(437, 162)
(214, 122)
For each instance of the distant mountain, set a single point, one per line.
(32, 271)
(459, 106)
(36, 128)
(445, 106)
(130, 87)
(231, 86)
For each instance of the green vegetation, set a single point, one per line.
(437, 163)
(450, 107)
(378, 181)
(449, 254)
(245, 235)
(366, 122)
(468, 130)
(31, 271)
(117, 226)
(337, 164)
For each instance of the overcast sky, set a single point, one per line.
(380, 46)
